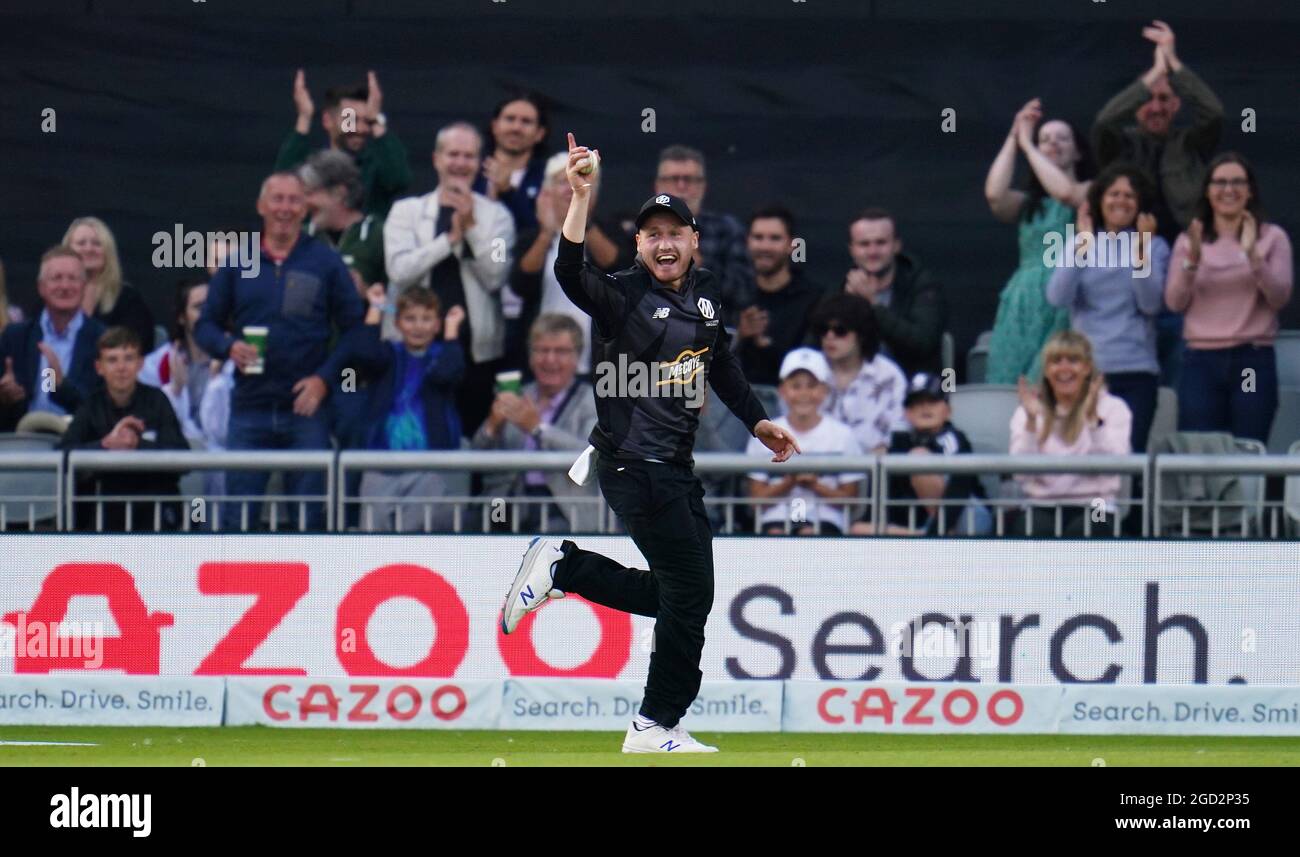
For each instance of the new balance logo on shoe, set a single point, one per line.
(526, 595)
(668, 746)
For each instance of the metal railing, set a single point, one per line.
(470, 512)
(26, 490)
(1010, 465)
(82, 462)
(1250, 509)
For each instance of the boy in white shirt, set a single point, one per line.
(808, 498)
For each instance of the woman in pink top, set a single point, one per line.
(1069, 413)
(1230, 274)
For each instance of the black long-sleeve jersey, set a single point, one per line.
(655, 348)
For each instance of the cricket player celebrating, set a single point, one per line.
(663, 311)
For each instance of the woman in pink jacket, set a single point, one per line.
(1069, 413)
(1229, 275)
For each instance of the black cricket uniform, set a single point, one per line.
(644, 461)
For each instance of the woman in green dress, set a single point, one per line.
(1056, 185)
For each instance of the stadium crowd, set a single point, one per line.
(381, 316)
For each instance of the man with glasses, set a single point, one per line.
(722, 236)
(555, 411)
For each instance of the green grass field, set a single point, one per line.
(254, 745)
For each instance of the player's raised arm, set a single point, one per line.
(580, 158)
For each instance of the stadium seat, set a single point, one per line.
(983, 412)
(1287, 348)
(1166, 418)
(1252, 485)
(1286, 423)
(1291, 498)
(28, 483)
(977, 359)
(768, 398)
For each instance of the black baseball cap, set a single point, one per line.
(924, 386)
(667, 202)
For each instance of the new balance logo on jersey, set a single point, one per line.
(706, 307)
(662, 312)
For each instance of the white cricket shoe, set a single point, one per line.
(533, 585)
(646, 736)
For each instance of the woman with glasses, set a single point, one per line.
(1230, 275)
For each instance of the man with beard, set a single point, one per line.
(908, 303)
(665, 311)
(777, 321)
(354, 122)
(515, 165)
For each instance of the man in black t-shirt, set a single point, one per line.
(777, 321)
(659, 338)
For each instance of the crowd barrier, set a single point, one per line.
(42, 491)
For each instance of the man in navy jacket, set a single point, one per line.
(49, 361)
(300, 290)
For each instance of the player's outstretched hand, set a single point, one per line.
(776, 439)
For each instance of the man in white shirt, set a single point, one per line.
(459, 244)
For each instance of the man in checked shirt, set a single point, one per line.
(661, 319)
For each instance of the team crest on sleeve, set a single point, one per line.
(706, 307)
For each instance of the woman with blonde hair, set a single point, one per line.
(1069, 413)
(109, 298)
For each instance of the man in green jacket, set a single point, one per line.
(354, 121)
(1137, 125)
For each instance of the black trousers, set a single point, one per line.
(1139, 391)
(662, 508)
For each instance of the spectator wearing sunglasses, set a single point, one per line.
(866, 387)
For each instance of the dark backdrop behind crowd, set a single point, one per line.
(171, 111)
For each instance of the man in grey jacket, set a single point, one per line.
(556, 411)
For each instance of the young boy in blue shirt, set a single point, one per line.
(412, 404)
